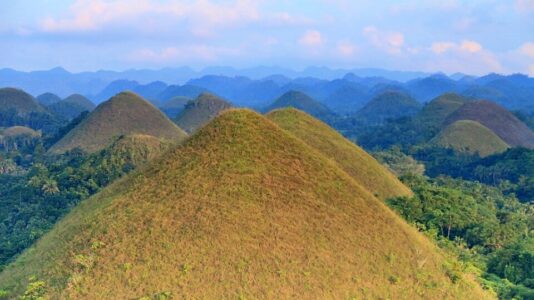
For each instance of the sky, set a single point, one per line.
(474, 37)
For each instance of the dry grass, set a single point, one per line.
(123, 114)
(499, 120)
(367, 171)
(470, 136)
(241, 210)
(19, 131)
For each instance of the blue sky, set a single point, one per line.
(475, 37)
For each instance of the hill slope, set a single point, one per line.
(242, 209)
(499, 120)
(351, 158)
(19, 101)
(300, 101)
(437, 110)
(18, 108)
(470, 136)
(48, 98)
(126, 113)
(389, 105)
(72, 106)
(201, 111)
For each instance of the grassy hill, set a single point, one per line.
(19, 101)
(18, 108)
(470, 136)
(174, 106)
(242, 209)
(125, 113)
(389, 105)
(499, 120)
(201, 111)
(48, 98)
(437, 110)
(19, 131)
(300, 101)
(351, 158)
(16, 137)
(72, 106)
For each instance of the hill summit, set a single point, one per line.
(124, 114)
(199, 112)
(72, 106)
(300, 101)
(242, 209)
(19, 101)
(48, 99)
(472, 137)
(437, 110)
(499, 120)
(389, 105)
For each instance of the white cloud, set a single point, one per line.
(390, 42)
(465, 46)
(467, 56)
(91, 15)
(531, 70)
(527, 49)
(470, 46)
(311, 38)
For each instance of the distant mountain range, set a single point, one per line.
(63, 83)
(342, 91)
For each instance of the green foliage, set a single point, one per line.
(400, 163)
(515, 262)
(36, 290)
(32, 203)
(480, 225)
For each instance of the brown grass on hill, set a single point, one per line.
(125, 113)
(241, 210)
(472, 137)
(499, 120)
(351, 158)
(19, 131)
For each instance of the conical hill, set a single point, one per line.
(242, 209)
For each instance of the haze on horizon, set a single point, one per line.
(474, 37)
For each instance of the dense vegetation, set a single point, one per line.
(481, 225)
(32, 202)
